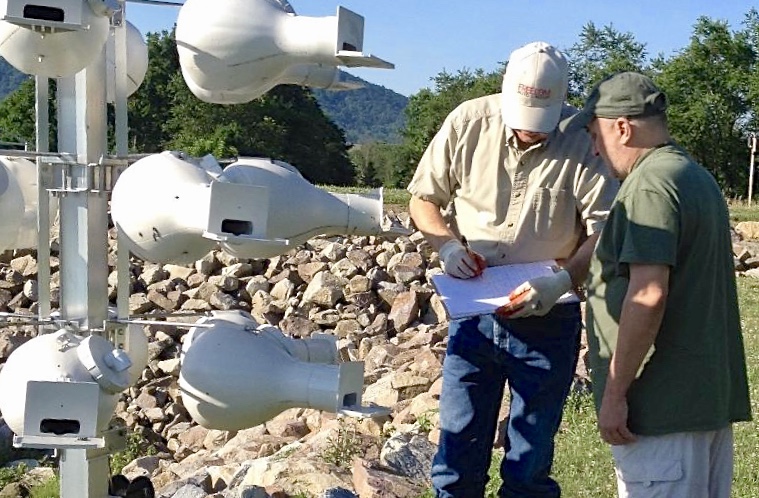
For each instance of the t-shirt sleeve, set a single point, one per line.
(651, 229)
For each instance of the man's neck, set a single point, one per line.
(523, 146)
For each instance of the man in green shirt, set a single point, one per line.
(668, 367)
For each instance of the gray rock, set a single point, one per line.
(338, 493)
(409, 455)
(189, 491)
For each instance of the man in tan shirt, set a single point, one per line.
(522, 191)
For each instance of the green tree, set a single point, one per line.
(17, 115)
(599, 53)
(708, 84)
(751, 23)
(285, 123)
(364, 163)
(151, 103)
(427, 110)
(375, 163)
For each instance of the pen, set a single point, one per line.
(513, 299)
(466, 243)
(481, 264)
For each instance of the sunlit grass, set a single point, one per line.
(746, 482)
(49, 489)
(741, 211)
(391, 196)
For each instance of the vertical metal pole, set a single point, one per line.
(42, 130)
(122, 151)
(84, 241)
(82, 128)
(752, 145)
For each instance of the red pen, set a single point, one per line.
(513, 299)
(479, 261)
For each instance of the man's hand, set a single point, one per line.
(536, 297)
(612, 420)
(459, 261)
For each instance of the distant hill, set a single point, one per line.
(10, 78)
(369, 114)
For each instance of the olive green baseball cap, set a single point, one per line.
(627, 94)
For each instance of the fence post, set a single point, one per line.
(752, 146)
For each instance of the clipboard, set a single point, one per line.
(482, 295)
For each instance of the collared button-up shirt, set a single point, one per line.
(514, 206)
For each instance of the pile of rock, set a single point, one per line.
(373, 293)
(745, 237)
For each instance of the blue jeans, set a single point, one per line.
(537, 356)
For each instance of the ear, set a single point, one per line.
(623, 129)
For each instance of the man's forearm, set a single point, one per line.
(639, 323)
(578, 264)
(430, 222)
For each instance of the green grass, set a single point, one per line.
(741, 211)
(746, 482)
(583, 464)
(135, 446)
(392, 196)
(11, 474)
(49, 489)
(9, 454)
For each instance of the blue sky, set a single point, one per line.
(424, 37)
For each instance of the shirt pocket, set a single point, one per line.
(554, 213)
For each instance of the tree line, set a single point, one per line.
(712, 84)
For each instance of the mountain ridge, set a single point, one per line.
(372, 113)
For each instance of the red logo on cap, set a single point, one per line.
(531, 91)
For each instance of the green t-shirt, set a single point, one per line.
(670, 211)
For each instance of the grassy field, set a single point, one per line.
(391, 196)
(741, 211)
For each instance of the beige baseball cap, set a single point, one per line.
(534, 88)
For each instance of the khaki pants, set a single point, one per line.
(681, 465)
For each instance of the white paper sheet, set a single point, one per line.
(482, 295)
